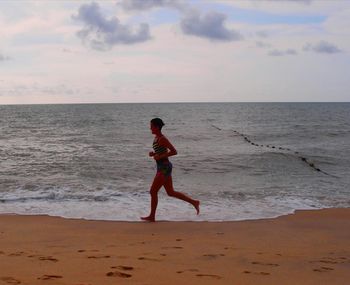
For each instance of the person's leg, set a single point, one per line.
(168, 185)
(158, 182)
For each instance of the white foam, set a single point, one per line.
(131, 208)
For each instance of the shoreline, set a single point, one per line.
(170, 220)
(307, 247)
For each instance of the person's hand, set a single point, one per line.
(151, 153)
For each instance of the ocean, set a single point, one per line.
(241, 160)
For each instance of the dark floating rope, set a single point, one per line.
(304, 159)
(216, 127)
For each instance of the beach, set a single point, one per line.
(173, 142)
(307, 247)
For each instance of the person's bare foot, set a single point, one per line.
(196, 205)
(148, 219)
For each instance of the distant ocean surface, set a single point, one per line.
(242, 160)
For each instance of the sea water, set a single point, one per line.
(241, 160)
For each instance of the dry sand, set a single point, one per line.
(309, 247)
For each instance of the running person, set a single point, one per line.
(162, 150)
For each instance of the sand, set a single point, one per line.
(308, 247)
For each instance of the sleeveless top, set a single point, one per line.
(158, 149)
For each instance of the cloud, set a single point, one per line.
(67, 50)
(300, 1)
(4, 57)
(296, 1)
(277, 52)
(287, 7)
(261, 44)
(137, 5)
(210, 26)
(322, 47)
(102, 33)
(262, 34)
(24, 89)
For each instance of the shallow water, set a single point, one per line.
(242, 160)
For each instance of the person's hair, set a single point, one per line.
(157, 122)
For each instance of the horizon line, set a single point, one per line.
(174, 102)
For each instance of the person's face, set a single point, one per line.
(154, 129)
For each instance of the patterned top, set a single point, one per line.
(158, 149)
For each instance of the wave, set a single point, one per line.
(61, 197)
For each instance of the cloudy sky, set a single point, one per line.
(174, 51)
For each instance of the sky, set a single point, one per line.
(122, 51)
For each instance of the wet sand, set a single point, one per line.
(308, 247)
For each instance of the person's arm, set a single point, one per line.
(163, 141)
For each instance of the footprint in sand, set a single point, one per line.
(209, 275)
(323, 269)
(48, 258)
(190, 270)
(118, 274)
(20, 253)
(99, 256)
(263, 273)
(212, 256)
(328, 261)
(10, 280)
(123, 267)
(85, 250)
(265, 264)
(331, 260)
(258, 273)
(49, 277)
(148, 259)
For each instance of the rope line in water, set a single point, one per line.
(304, 159)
